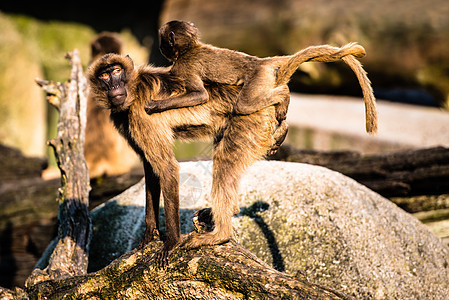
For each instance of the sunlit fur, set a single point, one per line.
(239, 140)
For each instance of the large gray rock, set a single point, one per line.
(299, 217)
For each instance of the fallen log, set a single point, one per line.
(29, 211)
(226, 271)
(404, 173)
(15, 166)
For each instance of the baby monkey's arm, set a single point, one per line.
(195, 94)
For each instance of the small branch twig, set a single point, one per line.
(55, 91)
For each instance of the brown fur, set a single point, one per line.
(105, 150)
(262, 79)
(239, 141)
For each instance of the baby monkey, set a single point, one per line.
(262, 79)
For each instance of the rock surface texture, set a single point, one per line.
(301, 219)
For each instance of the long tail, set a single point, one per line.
(326, 53)
(368, 96)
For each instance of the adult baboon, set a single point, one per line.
(239, 140)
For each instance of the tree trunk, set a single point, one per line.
(70, 257)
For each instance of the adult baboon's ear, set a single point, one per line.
(171, 38)
(131, 62)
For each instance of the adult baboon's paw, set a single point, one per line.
(150, 235)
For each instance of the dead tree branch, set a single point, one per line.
(225, 271)
(70, 257)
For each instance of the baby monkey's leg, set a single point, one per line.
(280, 132)
(279, 135)
(259, 90)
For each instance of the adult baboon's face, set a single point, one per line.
(113, 79)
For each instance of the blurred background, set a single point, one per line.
(407, 44)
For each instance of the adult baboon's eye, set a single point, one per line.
(104, 76)
(117, 71)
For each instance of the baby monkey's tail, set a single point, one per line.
(326, 53)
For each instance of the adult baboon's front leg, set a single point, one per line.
(152, 198)
(245, 140)
(170, 191)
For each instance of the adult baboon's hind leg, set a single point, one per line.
(246, 139)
